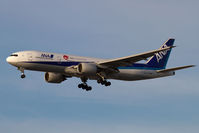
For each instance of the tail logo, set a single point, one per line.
(161, 54)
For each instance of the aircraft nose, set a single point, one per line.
(8, 60)
(12, 61)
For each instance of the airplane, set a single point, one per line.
(60, 67)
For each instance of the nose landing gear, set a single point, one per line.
(22, 72)
(23, 75)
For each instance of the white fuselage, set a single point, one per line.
(64, 64)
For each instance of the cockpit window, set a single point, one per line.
(14, 55)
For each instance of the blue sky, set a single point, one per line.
(104, 29)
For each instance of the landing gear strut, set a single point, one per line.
(84, 85)
(22, 72)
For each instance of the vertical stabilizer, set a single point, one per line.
(159, 60)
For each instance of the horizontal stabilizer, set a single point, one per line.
(174, 69)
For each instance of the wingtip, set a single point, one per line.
(192, 65)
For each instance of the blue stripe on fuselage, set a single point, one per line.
(71, 63)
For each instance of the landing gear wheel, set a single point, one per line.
(80, 86)
(103, 82)
(23, 76)
(85, 87)
(99, 81)
(89, 88)
(107, 83)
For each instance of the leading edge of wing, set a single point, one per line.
(128, 60)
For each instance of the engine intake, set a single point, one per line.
(87, 68)
(54, 77)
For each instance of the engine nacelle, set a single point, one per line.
(87, 68)
(54, 77)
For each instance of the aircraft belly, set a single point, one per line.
(133, 74)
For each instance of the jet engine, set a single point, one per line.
(54, 77)
(87, 68)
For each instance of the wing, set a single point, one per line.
(129, 60)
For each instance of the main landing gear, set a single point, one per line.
(101, 80)
(104, 82)
(22, 72)
(84, 85)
